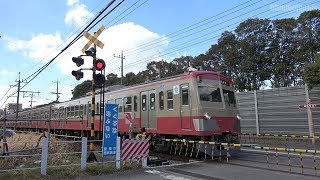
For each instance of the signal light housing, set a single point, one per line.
(77, 74)
(99, 80)
(99, 64)
(78, 60)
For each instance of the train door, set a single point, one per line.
(185, 107)
(148, 113)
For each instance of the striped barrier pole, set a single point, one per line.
(289, 161)
(205, 151)
(314, 164)
(171, 147)
(277, 159)
(220, 152)
(175, 149)
(198, 151)
(187, 148)
(182, 145)
(212, 152)
(192, 148)
(301, 162)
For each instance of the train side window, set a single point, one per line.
(120, 102)
(144, 102)
(72, 111)
(161, 100)
(185, 94)
(81, 110)
(152, 101)
(135, 103)
(111, 101)
(76, 111)
(170, 100)
(127, 104)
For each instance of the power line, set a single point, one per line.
(199, 42)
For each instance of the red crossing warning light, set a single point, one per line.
(99, 64)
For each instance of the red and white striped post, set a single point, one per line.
(310, 106)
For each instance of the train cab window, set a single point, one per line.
(120, 102)
(127, 104)
(229, 97)
(152, 101)
(185, 94)
(208, 93)
(161, 100)
(135, 103)
(144, 103)
(170, 100)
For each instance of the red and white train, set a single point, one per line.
(198, 105)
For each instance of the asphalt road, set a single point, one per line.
(248, 165)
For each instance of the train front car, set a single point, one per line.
(218, 115)
(217, 108)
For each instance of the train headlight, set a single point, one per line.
(207, 115)
(238, 117)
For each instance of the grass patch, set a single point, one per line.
(66, 172)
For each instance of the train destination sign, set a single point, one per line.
(110, 130)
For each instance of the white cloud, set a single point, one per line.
(41, 47)
(72, 2)
(117, 38)
(78, 14)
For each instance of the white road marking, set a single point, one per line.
(170, 165)
(166, 176)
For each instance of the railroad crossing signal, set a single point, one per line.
(93, 39)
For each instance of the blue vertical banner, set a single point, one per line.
(110, 130)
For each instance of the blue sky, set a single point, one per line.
(34, 31)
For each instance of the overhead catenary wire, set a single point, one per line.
(150, 58)
(36, 73)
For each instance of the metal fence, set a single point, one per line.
(277, 111)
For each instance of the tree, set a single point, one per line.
(81, 89)
(312, 73)
(112, 79)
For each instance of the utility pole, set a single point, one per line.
(122, 58)
(57, 92)
(18, 96)
(30, 95)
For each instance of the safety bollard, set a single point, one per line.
(192, 149)
(212, 152)
(187, 148)
(301, 163)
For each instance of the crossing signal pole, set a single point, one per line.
(97, 79)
